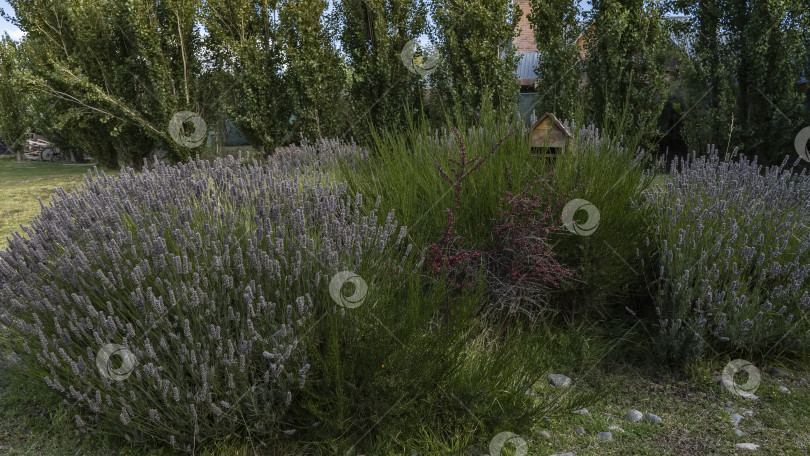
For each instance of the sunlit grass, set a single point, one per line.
(23, 184)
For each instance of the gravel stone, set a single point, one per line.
(633, 415)
(605, 436)
(579, 430)
(654, 419)
(747, 395)
(784, 389)
(747, 446)
(777, 372)
(735, 419)
(559, 380)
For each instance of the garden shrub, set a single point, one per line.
(401, 169)
(598, 168)
(205, 277)
(732, 239)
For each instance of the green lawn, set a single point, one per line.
(23, 183)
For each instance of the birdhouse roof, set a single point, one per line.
(556, 123)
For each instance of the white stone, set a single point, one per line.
(747, 395)
(633, 415)
(784, 389)
(559, 380)
(654, 419)
(747, 446)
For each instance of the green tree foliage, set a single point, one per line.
(746, 61)
(117, 71)
(626, 67)
(478, 61)
(245, 37)
(373, 35)
(315, 73)
(767, 44)
(167, 63)
(18, 106)
(559, 63)
(704, 101)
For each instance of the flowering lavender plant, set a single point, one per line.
(733, 245)
(209, 274)
(321, 155)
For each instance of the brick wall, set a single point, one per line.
(525, 42)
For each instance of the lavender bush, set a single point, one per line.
(208, 274)
(733, 244)
(323, 155)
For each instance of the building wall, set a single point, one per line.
(525, 41)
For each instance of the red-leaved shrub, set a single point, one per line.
(519, 264)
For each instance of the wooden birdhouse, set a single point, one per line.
(549, 133)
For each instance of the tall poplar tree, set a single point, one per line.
(246, 43)
(374, 34)
(626, 67)
(477, 59)
(315, 73)
(559, 67)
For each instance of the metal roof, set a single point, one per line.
(525, 68)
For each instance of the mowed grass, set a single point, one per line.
(22, 184)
